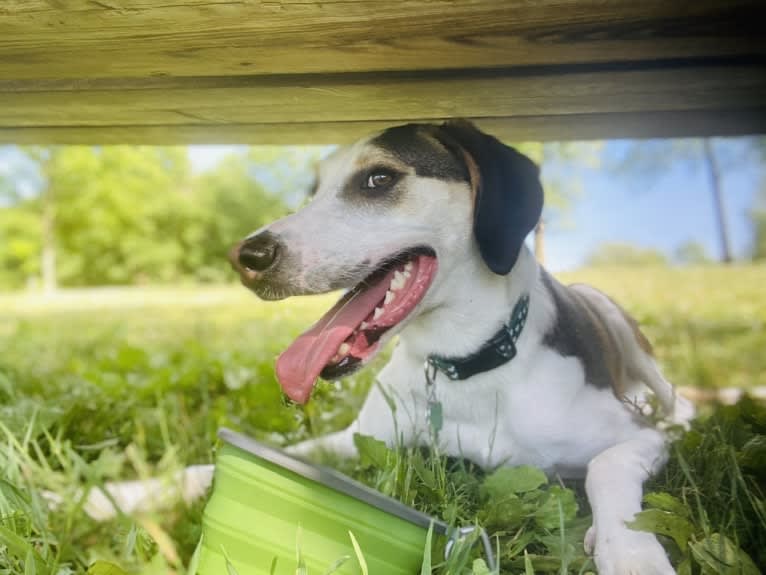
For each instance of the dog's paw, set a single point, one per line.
(627, 552)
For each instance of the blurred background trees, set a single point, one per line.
(560, 170)
(759, 213)
(83, 216)
(88, 216)
(649, 161)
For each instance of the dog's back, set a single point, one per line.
(614, 351)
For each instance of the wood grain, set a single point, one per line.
(48, 39)
(527, 128)
(288, 71)
(346, 98)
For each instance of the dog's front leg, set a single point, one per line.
(614, 485)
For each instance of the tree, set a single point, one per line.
(692, 253)
(130, 214)
(651, 159)
(558, 162)
(758, 213)
(286, 171)
(101, 215)
(19, 227)
(19, 247)
(122, 214)
(618, 254)
(758, 216)
(40, 209)
(235, 204)
(711, 163)
(759, 245)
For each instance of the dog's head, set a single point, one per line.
(390, 216)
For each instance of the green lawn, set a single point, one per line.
(119, 383)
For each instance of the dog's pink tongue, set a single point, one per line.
(299, 365)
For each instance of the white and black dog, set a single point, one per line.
(424, 225)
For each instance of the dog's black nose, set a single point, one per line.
(259, 253)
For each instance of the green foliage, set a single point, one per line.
(707, 324)
(617, 254)
(717, 554)
(20, 245)
(105, 568)
(516, 505)
(117, 384)
(758, 216)
(513, 480)
(231, 205)
(137, 386)
(129, 214)
(759, 247)
(559, 164)
(711, 497)
(692, 253)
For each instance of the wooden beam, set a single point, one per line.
(287, 71)
(526, 128)
(559, 105)
(49, 39)
(222, 101)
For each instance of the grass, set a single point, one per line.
(121, 383)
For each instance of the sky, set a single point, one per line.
(662, 210)
(659, 209)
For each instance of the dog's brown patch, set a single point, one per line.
(644, 343)
(474, 175)
(581, 331)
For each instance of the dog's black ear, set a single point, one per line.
(508, 194)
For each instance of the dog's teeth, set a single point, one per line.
(408, 267)
(364, 325)
(406, 274)
(377, 313)
(399, 280)
(344, 349)
(389, 297)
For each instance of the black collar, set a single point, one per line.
(499, 350)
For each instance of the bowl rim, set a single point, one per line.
(332, 479)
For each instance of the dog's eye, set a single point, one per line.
(378, 180)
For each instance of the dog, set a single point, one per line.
(424, 225)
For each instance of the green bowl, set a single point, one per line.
(262, 497)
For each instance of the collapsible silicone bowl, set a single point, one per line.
(262, 496)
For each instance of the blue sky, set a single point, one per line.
(660, 209)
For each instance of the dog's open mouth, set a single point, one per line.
(350, 332)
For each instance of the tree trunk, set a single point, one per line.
(48, 263)
(718, 205)
(540, 242)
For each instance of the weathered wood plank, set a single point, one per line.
(348, 98)
(526, 128)
(141, 38)
(298, 70)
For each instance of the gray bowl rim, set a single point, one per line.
(332, 479)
